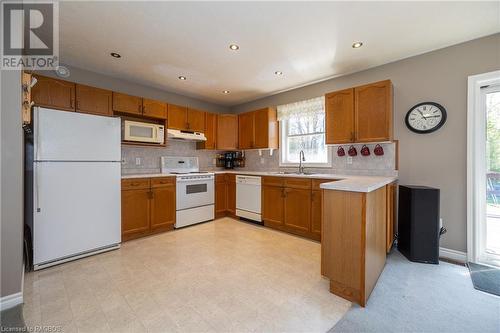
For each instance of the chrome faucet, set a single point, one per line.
(302, 158)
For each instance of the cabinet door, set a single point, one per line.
(53, 93)
(177, 117)
(246, 130)
(231, 194)
(93, 100)
(227, 131)
(339, 116)
(272, 204)
(163, 208)
(298, 209)
(266, 128)
(316, 212)
(220, 195)
(196, 120)
(127, 104)
(210, 132)
(373, 112)
(154, 109)
(135, 213)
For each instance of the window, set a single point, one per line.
(302, 127)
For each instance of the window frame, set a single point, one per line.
(283, 124)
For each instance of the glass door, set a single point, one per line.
(489, 240)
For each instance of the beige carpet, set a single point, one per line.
(219, 276)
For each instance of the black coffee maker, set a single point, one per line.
(229, 160)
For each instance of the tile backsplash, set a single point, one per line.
(147, 160)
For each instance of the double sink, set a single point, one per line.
(293, 173)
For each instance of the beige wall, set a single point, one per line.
(437, 159)
(11, 195)
(94, 79)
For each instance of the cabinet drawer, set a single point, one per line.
(162, 181)
(135, 183)
(298, 183)
(273, 181)
(317, 182)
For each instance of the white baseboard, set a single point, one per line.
(453, 255)
(10, 301)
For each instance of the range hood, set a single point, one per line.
(185, 135)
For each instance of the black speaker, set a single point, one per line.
(418, 223)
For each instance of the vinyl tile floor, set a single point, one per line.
(220, 276)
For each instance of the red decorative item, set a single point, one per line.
(365, 151)
(379, 151)
(340, 151)
(352, 151)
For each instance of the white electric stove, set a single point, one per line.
(195, 199)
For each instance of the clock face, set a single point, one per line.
(425, 117)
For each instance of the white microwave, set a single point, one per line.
(143, 132)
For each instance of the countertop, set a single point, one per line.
(351, 183)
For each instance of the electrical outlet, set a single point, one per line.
(349, 159)
(138, 161)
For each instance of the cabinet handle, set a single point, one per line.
(187, 125)
(313, 195)
(72, 102)
(77, 104)
(143, 108)
(151, 194)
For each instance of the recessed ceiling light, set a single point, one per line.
(225, 92)
(357, 45)
(115, 55)
(234, 47)
(183, 78)
(278, 73)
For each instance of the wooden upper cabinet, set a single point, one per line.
(246, 132)
(266, 128)
(227, 132)
(339, 116)
(210, 132)
(258, 129)
(177, 117)
(359, 114)
(373, 110)
(195, 120)
(154, 109)
(53, 93)
(127, 104)
(93, 100)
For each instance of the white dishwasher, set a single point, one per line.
(248, 203)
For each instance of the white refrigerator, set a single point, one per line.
(76, 185)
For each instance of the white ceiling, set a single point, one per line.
(309, 42)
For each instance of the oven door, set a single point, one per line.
(194, 193)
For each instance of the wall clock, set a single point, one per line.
(425, 117)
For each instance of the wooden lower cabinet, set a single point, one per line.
(220, 195)
(293, 205)
(231, 194)
(316, 213)
(148, 206)
(298, 209)
(135, 213)
(225, 195)
(273, 202)
(353, 242)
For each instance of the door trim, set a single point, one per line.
(474, 156)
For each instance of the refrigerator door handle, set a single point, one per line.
(37, 134)
(37, 195)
